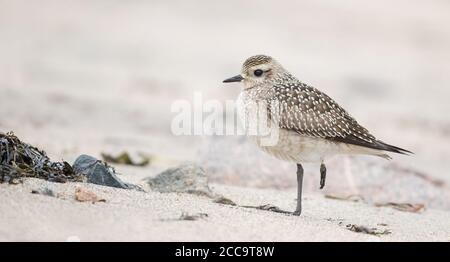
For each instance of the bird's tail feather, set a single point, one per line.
(377, 145)
(390, 148)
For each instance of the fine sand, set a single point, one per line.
(92, 77)
(138, 216)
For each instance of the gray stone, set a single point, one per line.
(98, 172)
(44, 191)
(186, 178)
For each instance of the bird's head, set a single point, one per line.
(256, 71)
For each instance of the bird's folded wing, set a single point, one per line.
(307, 111)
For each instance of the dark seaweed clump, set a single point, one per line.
(19, 160)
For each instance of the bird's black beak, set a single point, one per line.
(237, 78)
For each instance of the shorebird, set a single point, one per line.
(312, 127)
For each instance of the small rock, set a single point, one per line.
(186, 216)
(98, 172)
(225, 201)
(6, 179)
(84, 195)
(44, 191)
(186, 178)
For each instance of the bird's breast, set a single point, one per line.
(278, 142)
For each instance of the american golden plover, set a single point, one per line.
(312, 126)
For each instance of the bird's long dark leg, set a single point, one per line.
(323, 175)
(298, 210)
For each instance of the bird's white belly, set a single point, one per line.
(296, 148)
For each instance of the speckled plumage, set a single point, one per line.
(307, 112)
(309, 125)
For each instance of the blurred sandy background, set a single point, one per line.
(100, 76)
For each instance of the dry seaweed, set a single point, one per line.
(406, 207)
(367, 230)
(434, 181)
(84, 195)
(353, 198)
(125, 159)
(224, 201)
(186, 216)
(44, 191)
(19, 160)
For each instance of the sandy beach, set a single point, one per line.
(137, 216)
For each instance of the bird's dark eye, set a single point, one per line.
(258, 72)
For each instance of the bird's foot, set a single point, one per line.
(269, 207)
(296, 213)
